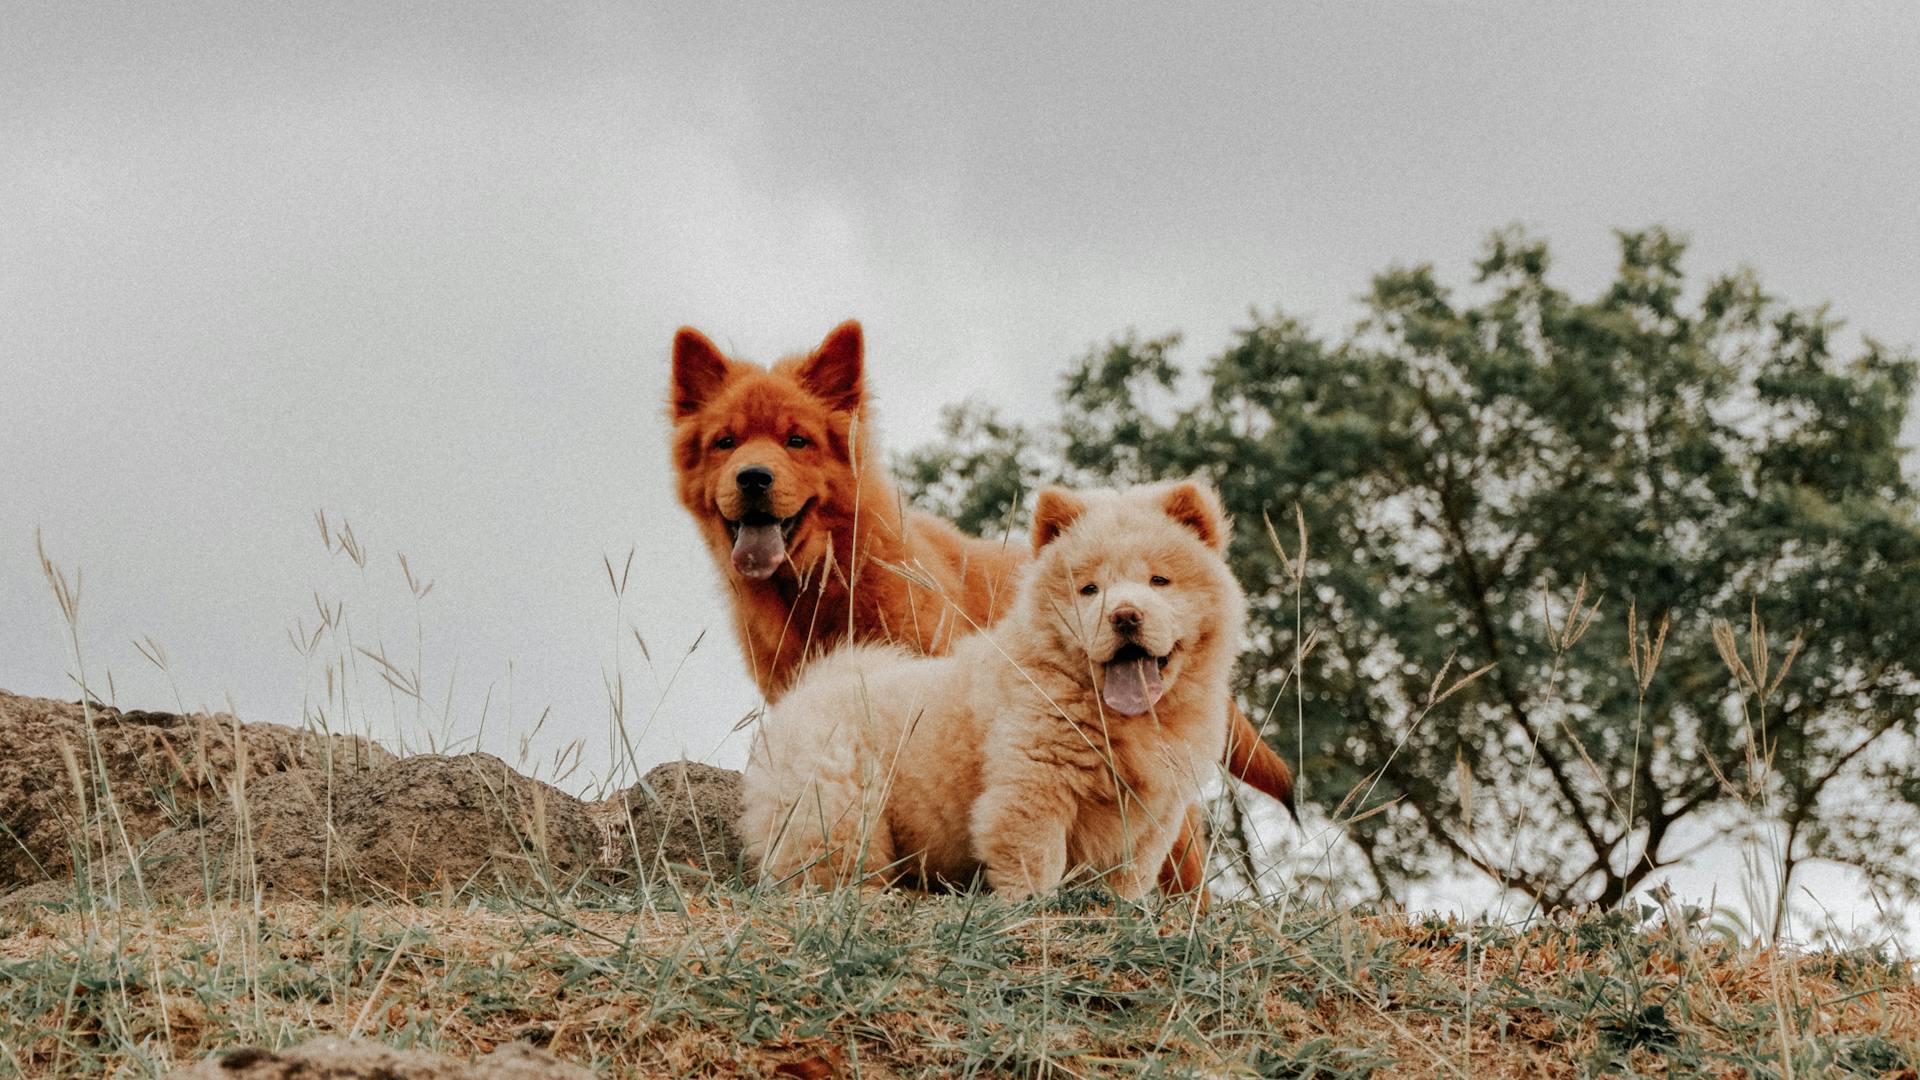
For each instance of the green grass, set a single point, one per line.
(728, 981)
(736, 982)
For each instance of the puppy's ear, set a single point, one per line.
(835, 373)
(1053, 511)
(1196, 506)
(699, 370)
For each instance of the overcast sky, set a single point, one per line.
(419, 266)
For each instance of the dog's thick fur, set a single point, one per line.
(1074, 733)
(856, 566)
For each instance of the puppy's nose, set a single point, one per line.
(754, 479)
(1126, 619)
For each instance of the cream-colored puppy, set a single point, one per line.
(1074, 734)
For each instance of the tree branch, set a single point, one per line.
(1476, 588)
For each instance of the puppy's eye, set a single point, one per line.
(1158, 580)
(1089, 589)
(724, 442)
(797, 442)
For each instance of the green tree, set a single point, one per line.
(1463, 471)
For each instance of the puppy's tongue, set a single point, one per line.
(1132, 686)
(759, 550)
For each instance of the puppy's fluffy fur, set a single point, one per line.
(1072, 735)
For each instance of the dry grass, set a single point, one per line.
(732, 982)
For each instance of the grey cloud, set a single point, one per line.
(419, 267)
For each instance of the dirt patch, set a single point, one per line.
(164, 771)
(334, 1058)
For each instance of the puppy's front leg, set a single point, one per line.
(1020, 833)
(1148, 855)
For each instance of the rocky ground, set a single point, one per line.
(194, 807)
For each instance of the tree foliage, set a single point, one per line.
(1463, 467)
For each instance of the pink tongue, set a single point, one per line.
(759, 550)
(1132, 686)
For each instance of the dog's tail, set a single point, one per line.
(1251, 759)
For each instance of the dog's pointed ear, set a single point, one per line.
(1196, 506)
(835, 372)
(1053, 511)
(699, 370)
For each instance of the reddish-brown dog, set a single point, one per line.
(779, 470)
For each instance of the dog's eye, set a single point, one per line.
(724, 442)
(797, 442)
(1158, 580)
(1089, 589)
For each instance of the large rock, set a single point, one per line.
(334, 1058)
(152, 772)
(422, 823)
(431, 821)
(680, 815)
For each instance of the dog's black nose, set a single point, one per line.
(754, 478)
(1126, 619)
